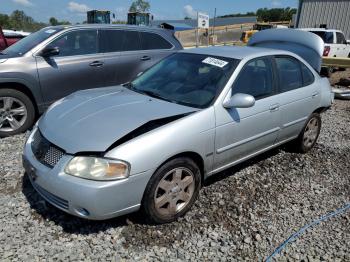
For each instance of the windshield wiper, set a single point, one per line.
(155, 95)
(128, 85)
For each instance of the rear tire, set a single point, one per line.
(171, 191)
(17, 112)
(308, 136)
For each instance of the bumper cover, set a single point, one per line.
(84, 198)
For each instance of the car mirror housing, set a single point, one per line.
(50, 51)
(240, 100)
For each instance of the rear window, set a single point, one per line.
(153, 41)
(327, 37)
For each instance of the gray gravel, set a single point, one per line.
(242, 214)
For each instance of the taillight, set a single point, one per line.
(326, 50)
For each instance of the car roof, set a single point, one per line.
(236, 52)
(120, 26)
(320, 29)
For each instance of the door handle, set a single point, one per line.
(314, 94)
(145, 58)
(274, 107)
(97, 63)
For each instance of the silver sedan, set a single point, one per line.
(151, 143)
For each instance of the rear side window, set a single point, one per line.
(111, 40)
(289, 72)
(255, 79)
(153, 41)
(131, 41)
(308, 76)
(340, 38)
(327, 37)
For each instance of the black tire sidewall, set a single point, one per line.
(148, 203)
(29, 106)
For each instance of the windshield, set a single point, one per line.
(188, 79)
(24, 45)
(326, 36)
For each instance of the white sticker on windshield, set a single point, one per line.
(50, 31)
(215, 62)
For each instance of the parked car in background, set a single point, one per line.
(57, 61)
(9, 37)
(335, 44)
(150, 143)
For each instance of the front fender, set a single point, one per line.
(194, 133)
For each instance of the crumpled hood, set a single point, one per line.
(92, 120)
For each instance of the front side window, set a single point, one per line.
(153, 41)
(80, 42)
(188, 79)
(289, 72)
(255, 79)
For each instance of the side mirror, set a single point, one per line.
(240, 100)
(50, 51)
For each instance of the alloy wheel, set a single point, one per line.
(13, 114)
(311, 132)
(174, 191)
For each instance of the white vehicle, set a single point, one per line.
(335, 42)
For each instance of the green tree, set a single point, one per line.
(4, 21)
(53, 21)
(140, 6)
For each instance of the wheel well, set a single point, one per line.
(21, 88)
(195, 157)
(320, 110)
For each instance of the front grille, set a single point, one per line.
(46, 152)
(51, 198)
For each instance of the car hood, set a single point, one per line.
(4, 57)
(93, 120)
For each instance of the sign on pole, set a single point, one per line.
(203, 21)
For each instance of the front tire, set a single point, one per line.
(309, 135)
(17, 112)
(172, 190)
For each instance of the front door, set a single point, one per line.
(241, 132)
(77, 66)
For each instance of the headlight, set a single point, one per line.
(96, 168)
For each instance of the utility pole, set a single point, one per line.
(213, 32)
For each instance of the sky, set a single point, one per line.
(75, 10)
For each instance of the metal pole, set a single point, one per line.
(197, 32)
(214, 25)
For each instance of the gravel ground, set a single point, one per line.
(242, 214)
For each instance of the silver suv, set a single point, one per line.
(57, 61)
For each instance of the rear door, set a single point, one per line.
(132, 59)
(78, 65)
(298, 95)
(156, 45)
